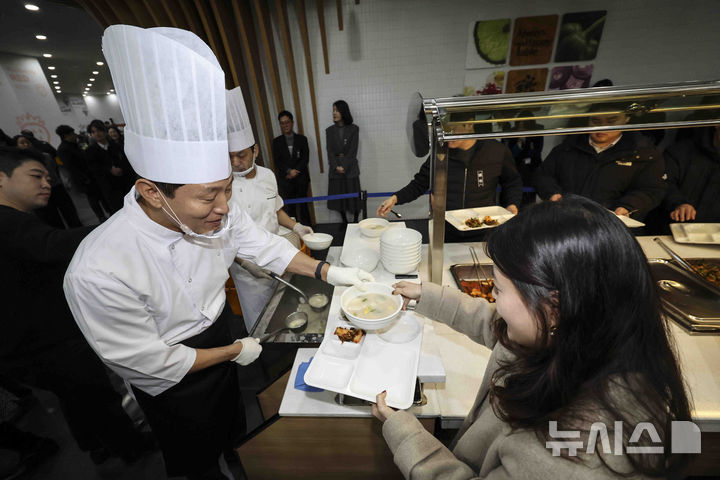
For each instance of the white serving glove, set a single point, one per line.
(250, 351)
(348, 276)
(302, 230)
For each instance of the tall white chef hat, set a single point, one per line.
(172, 95)
(240, 134)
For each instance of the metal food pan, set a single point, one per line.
(685, 298)
(467, 272)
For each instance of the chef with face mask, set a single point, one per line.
(255, 191)
(146, 288)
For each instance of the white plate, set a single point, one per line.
(707, 233)
(376, 364)
(457, 218)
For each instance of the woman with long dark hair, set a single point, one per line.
(341, 139)
(577, 339)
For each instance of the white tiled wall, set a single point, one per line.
(392, 48)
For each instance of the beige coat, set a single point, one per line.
(486, 447)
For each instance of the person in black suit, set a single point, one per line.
(109, 166)
(291, 154)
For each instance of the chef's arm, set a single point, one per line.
(285, 220)
(207, 357)
(304, 265)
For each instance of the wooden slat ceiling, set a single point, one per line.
(228, 27)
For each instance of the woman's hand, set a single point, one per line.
(512, 209)
(683, 213)
(340, 169)
(386, 206)
(380, 409)
(409, 291)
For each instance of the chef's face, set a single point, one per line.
(202, 206)
(286, 125)
(606, 138)
(23, 143)
(336, 115)
(28, 188)
(522, 326)
(243, 159)
(98, 134)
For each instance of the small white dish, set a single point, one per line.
(370, 324)
(400, 237)
(317, 241)
(373, 227)
(363, 258)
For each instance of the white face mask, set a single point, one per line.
(244, 172)
(224, 225)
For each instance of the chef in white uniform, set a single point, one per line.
(146, 287)
(255, 191)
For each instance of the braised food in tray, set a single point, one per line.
(475, 222)
(709, 271)
(349, 334)
(481, 289)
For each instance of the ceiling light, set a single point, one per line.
(47, 55)
(31, 7)
(112, 89)
(56, 83)
(89, 84)
(51, 68)
(99, 63)
(57, 87)
(41, 37)
(53, 76)
(95, 72)
(92, 79)
(59, 91)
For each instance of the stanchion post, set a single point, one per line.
(363, 201)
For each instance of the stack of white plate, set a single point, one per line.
(400, 250)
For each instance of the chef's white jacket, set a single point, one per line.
(258, 197)
(137, 289)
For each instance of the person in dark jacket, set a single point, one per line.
(72, 156)
(475, 169)
(60, 206)
(290, 155)
(41, 344)
(341, 139)
(108, 166)
(623, 171)
(39, 145)
(527, 152)
(693, 170)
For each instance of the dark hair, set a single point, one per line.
(285, 113)
(572, 260)
(168, 189)
(98, 125)
(344, 110)
(465, 116)
(63, 130)
(13, 157)
(605, 82)
(18, 137)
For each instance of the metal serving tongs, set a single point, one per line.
(685, 265)
(478, 266)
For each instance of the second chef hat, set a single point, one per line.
(240, 134)
(172, 95)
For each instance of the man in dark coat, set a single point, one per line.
(290, 155)
(693, 169)
(73, 158)
(109, 166)
(475, 170)
(623, 171)
(40, 343)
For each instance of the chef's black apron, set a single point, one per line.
(197, 419)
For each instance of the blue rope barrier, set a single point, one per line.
(342, 196)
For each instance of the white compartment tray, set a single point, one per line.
(707, 233)
(383, 360)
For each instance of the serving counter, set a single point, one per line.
(312, 432)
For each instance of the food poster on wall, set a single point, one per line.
(483, 82)
(580, 36)
(532, 40)
(570, 76)
(526, 80)
(488, 42)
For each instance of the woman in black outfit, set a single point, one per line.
(342, 146)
